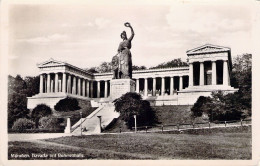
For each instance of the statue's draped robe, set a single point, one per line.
(125, 59)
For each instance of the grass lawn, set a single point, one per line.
(235, 145)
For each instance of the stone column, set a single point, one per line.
(98, 89)
(56, 83)
(171, 86)
(202, 73)
(87, 88)
(181, 83)
(163, 86)
(84, 87)
(79, 86)
(60, 84)
(74, 85)
(45, 83)
(145, 86)
(52, 83)
(191, 74)
(41, 84)
(105, 94)
(64, 82)
(214, 73)
(48, 83)
(137, 85)
(225, 73)
(69, 84)
(154, 86)
(91, 89)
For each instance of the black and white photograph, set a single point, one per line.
(129, 80)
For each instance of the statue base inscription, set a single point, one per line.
(120, 87)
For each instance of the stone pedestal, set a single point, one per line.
(68, 127)
(119, 87)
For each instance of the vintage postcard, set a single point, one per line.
(129, 82)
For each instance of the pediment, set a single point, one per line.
(50, 62)
(208, 48)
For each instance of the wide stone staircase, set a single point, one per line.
(90, 124)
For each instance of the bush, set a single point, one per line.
(67, 104)
(40, 111)
(132, 104)
(22, 124)
(50, 123)
(220, 107)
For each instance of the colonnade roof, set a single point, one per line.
(54, 63)
(207, 48)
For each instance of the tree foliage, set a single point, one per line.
(22, 123)
(173, 63)
(138, 67)
(132, 104)
(220, 107)
(18, 91)
(67, 104)
(40, 111)
(32, 85)
(17, 102)
(50, 123)
(107, 67)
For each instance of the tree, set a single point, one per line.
(134, 67)
(17, 102)
(40, 111)
(200, 106)
(220, 107)
(32, 85)
(92, 70)
(174, 63)
(67, 104)
(131, 104)
(241, 77)
(104, 67)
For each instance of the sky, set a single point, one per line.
(85, 35)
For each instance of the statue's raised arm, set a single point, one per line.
(127, 24)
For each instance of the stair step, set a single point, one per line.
(91, 122)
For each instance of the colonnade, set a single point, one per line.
(226, 77)
(71, 84)
(162, 89)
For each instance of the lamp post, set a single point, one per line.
(135, 124)
(80, 123)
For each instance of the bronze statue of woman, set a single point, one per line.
(125, 57)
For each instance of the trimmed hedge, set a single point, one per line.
(67, 104)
